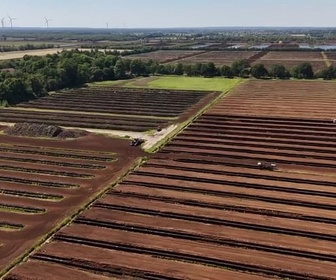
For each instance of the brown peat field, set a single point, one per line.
(200, 208)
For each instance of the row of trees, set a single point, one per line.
(32, 77)
(239, 68)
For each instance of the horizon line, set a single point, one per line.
(180, 27)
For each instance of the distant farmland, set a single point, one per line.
(20, 54)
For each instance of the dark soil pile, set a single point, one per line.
(43, 130)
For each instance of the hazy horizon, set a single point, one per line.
(172, 14)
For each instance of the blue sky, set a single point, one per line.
(170, 13)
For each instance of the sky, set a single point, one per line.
(169, 13)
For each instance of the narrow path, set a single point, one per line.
(90, 113)
(326, 60)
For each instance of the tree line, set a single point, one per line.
(32, 77)
(240, 68)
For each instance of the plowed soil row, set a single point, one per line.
(77, 117)
(111, 110)
(128, 125)
(37, 175)
(52, 153)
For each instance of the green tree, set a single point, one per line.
(226, 71)
(37, 85)
(97, 74)
(327, 74)
(178, 69)
(138, 68)
(189, 70)
(259, 71)
(119, 70)
(239, 66)
(279, 71)
(108, 73)
(303, 71)
(52, 85)
(198, 69)
(15, 91)
(209, 70)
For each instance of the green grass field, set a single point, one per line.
(176, 82)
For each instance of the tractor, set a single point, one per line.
(267, 166)
(137, 142)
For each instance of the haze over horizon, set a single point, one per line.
(173, 13)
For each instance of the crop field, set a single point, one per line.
(109, 108)
(164, 56)
(220, 57)
(43, 182)
(202, 209)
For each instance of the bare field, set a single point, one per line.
(21, 54)
(45, 181)
(289, 64)
(201, 208)
(126, 109)
(219, 57)
(289, 55)
(290, 59)
(164, 56)
(298, 99)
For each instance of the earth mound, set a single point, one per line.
(43, 130)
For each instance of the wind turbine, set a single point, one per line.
(107, 25)
(3, 22)
(47, 21)
(11, 20)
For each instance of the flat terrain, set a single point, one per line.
(110, 108)
(289, 59)
(293, 99)
(164, 56)
(331, 57)
(290, 55)
(43, 182)
(219, 57)
(202, 209)
(21, 54)
(269, 58)
(175, 82)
